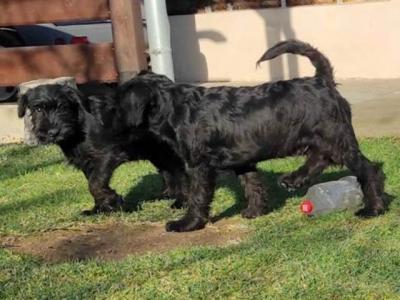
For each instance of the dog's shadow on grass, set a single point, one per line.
(147, 190)
(150, 189)
(10, 169)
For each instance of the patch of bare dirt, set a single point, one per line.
(118, 240)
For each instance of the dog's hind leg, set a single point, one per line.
(371, 179)
(201, 181)
(255, 194)
(106, 199)
(314, 166)
(179, 183)
(169, 184)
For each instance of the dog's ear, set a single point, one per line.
(137, 99)
(22, 105)
(74, 96)
(71, 94)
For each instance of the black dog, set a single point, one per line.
(233, 128)
(91, 133)
(96, 135)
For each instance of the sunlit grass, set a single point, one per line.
(287, 256)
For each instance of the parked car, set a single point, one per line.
(9, 38)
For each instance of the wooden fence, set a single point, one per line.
(106, 62)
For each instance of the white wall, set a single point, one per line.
(361, 40)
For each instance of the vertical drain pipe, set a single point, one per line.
(158, 32)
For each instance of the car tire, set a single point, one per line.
(9, 38)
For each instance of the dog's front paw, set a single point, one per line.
(177, 204)
(167, 194)
(292, 182)
(90, 212)
(186, 224)
(99, 210)
(251, 212)
(106, 208)
(370, 212)
(118, 203)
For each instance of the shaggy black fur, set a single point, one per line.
(236, 127)
(92, 135)
(96, 134)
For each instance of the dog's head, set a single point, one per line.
(140, 97)
(56, 112)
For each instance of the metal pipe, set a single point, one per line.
(158, 32)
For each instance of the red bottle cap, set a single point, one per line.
(306, 207)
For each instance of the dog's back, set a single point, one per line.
(272, 120)
(245, 124)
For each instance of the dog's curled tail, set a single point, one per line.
(321, 63)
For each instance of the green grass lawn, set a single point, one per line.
(286, 255)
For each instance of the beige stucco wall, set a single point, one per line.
(11, 128)
(361, 40)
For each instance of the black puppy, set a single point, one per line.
(235, 127)
(96, 135)
(92, 134)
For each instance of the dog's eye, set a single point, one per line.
(37, 109)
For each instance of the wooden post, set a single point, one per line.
(128, 37)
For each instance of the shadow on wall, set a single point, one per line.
(278, 28)
(195, 68)
(187, 40)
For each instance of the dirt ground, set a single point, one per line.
(118, 240)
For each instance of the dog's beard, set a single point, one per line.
(64, 134)
(55, 128)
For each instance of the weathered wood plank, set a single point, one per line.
(24, 12)
(92, 62)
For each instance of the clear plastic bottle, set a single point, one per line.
(342, 194)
